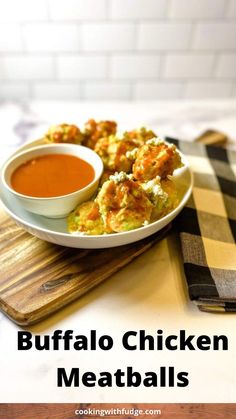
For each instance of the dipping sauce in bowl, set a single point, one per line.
(52, 179)
(52, 175)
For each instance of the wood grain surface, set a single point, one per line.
(37, 277)
(167, 410)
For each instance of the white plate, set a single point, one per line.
(55, 230)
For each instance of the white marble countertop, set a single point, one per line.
(148, 294)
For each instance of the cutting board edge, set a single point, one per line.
(14, 315)
(28, 319)
(41, 312)
(33, 317)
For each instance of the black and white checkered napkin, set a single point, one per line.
(207, 227)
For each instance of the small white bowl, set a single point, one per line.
(59, 206)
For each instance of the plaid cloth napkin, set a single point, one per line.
(207, 227)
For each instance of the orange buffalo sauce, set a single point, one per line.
(52, 175)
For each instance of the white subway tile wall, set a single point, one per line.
(226, 66)
(117, 49)
(15, 91)
(135, 67)
(107, 90)
(10, 38)
(27, 67)
(51, 37)
(108, 37)
(164, 36)
(138, 9)
(196, 9)
(210, 89)
(160, 90)
(55, 91)
(215, 36)
(77, 10)
(23, 10)
(188, 65)
(76, 67)
(231, 10)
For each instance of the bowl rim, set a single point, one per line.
(6, 165)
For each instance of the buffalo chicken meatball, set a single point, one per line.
(140, 135)
(93, 131)
(86, 219)
(64, 133)
(162, 194)
(114, 152)
(123, 204)
(156, 158)
(105, 176)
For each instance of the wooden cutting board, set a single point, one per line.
(38, 278)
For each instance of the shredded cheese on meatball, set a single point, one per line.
(120, 177)
(154, 190)
(131, 155)
(155, 141)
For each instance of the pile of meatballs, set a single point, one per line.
(136, 187)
